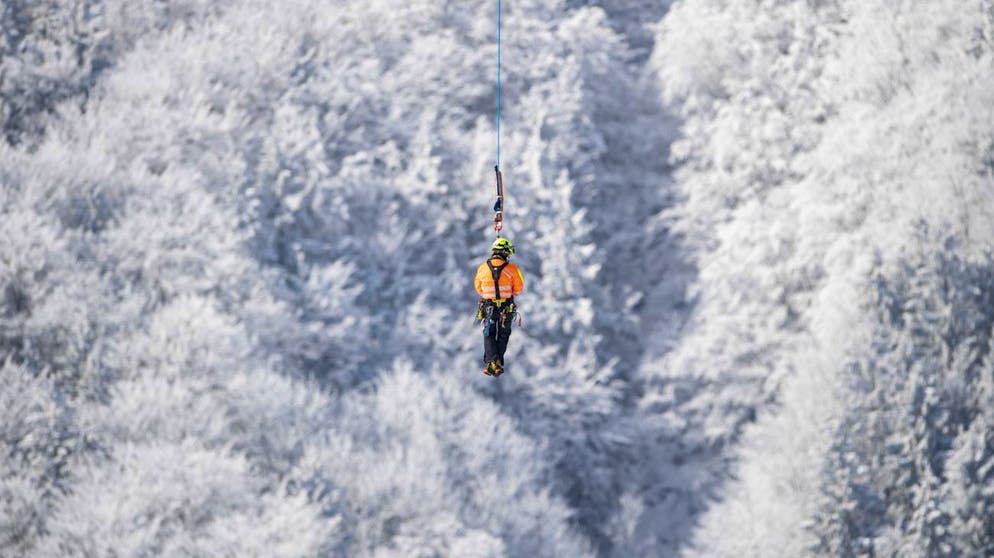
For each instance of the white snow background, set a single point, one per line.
(237, 240)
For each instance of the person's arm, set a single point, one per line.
(519, 281)
(478, 283)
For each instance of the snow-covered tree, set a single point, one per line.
(915, 396)
(38, 440)
(816, 137)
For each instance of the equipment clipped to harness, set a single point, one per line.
(499, 204)
(504, 313)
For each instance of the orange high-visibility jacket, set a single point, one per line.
(511, 281)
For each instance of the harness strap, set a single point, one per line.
(496, 270)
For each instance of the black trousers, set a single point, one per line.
(496, 331)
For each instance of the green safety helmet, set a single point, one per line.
(502, 246)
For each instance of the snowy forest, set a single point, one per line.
(237, 244)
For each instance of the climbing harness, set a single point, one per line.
(505, 306)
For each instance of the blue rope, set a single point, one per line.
(499, 204)
(498, 82)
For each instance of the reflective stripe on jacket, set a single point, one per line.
(511, 280)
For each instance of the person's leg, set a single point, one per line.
(503, 336)
(490, 345)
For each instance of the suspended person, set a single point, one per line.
(497, 281)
